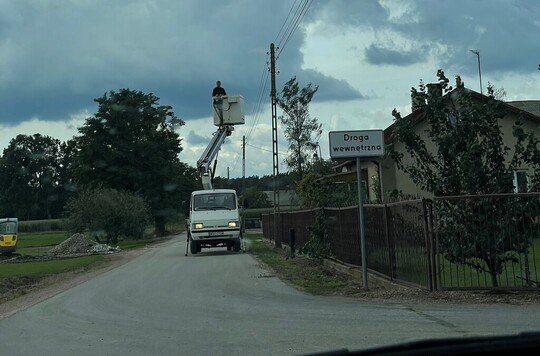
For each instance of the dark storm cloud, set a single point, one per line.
(57, 57)
(379, 55)
(330, 89)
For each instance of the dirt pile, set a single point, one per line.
(79, 244)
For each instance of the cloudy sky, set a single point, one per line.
(56, 56)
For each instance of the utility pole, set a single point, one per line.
(275, 159)
(243, 157)
(477, 52)
(243, 168)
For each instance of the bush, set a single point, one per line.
(108, 213)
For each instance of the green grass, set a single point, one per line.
(45, 268)
(312, 276)
(40, 239)
(412, 267)
(38, 243)
(454, 275)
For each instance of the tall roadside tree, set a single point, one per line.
(301, 130)
(469, 158)
(130, 144)
(31, 183)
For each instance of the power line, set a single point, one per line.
(287, 30)
(284, 22)
(293, 25)
(264, 149)
(257, 110)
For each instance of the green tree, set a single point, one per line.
(301, 130)
(107, 213)
(469, 159)
(316, 190)
(130, 144)
(252, 198)
(30, 177)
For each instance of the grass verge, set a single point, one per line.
(309, 275)
(21, 277)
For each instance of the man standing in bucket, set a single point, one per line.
(218, 92)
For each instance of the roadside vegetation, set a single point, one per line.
(33, 268)
(38, 244)
(311, 275)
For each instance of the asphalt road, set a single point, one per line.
(225, 303)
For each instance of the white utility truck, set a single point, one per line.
(214, 215)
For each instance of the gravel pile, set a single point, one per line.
(79, 244)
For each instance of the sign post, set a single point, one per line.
(358, 144)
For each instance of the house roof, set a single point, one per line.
(530, 109)
(530, 106)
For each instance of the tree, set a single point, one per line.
(130, 144)
(316, 191)
(301, 130)
(107, 213)
(253, 198)
(469, 159)
(31, 185)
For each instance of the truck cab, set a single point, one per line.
(214, 220)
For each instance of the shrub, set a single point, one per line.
(108, 213)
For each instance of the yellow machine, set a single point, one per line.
(8, 235)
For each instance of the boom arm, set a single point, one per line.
(210, 154)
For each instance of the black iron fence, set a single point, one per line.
(446, 243)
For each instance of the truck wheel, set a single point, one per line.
(236, 245)
(194, 247)
(229, 247)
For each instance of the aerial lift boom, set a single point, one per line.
(206, 165)
(228, 111)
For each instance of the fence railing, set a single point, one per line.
(489, 241)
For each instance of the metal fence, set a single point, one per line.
(489, 241)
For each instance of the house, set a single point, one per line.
(393, 179)
(346, 173)
(380, 177)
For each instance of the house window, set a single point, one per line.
(521, 182)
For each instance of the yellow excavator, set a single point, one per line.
(8, 235)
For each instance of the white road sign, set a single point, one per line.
(349, 144)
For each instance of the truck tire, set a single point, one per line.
(194, 247)
(236, 245)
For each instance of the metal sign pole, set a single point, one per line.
(358, 144)
(361, 221)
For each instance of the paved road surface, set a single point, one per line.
(223, 303)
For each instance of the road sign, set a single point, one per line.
(349, 144)
(358, 144)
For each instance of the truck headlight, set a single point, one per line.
(198, 226)
(233, 223)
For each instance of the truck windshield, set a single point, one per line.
(214, 201)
